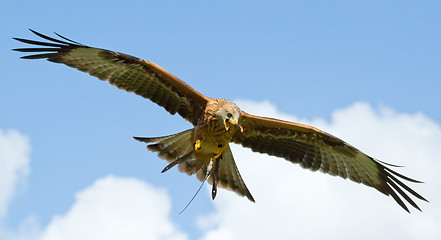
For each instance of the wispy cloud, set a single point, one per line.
(14, 168)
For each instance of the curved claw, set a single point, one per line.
(217, 154)
(197, 145)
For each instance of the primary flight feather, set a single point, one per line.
(204, 150)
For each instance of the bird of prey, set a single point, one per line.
(204, 149)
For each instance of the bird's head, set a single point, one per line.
(229, 114)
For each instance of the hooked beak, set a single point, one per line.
(229, 122)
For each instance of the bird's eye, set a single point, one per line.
(229, 115)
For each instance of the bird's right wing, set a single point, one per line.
(317, 150)
(123, 71)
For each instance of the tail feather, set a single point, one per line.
(229, 176)
(170, 147)
(159, 139)
(176, 148)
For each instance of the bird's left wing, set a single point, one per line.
(317, 150)
(126, 72)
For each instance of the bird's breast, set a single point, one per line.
(213, 134)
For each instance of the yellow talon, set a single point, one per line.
(197, 145)
(218, 153)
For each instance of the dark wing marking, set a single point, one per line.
(317, 150)
(123, 71)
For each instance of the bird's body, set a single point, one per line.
(195, 150)
(204, 150)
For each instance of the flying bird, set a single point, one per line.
(204, 149)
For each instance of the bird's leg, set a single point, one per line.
(216, 159)
(216, 174)
(197, 145)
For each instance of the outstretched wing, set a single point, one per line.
(317, 150)
(123, 71)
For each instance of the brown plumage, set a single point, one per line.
(204, 150)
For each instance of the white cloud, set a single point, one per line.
(14, 168)
(116, 208)
(293, 203)
(14, 165)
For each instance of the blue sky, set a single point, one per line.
(314, 61)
